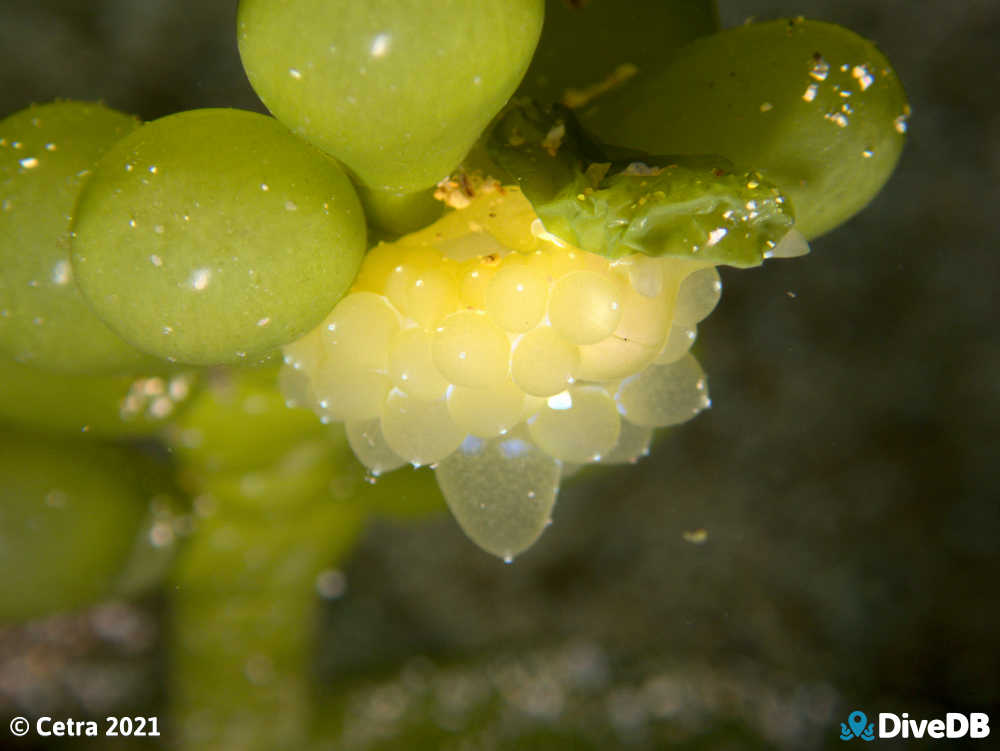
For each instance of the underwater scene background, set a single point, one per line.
(823, 539)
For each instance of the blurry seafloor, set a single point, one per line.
(846, 476)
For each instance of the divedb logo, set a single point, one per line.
(975, 725)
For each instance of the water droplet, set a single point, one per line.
(62, 273)
(29, 162)
(867, 154)
(766, 107)
(156, 260)
(297, 75)
(380, 45)
(331, 584)
(162, 534)
(167, 330)
(290, 206)
(160, 408)
(200, 279)
(900, 123)
(259, 670)
(159, 229)
(50, 147)
(264, 321)
(508, 559)
(56, 499)
(837, 118)
(695, 536)
(810, 93)
(153, 169)
(820, 68)
(717, 234)
(863, 76)
(7, 204)
(129, 168)
(265, 187)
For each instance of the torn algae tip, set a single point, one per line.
(616, 202)
(502, 357)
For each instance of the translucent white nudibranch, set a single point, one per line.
(490, 350)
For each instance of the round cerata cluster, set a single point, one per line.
(494, 352)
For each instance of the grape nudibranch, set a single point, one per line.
(501, 356)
